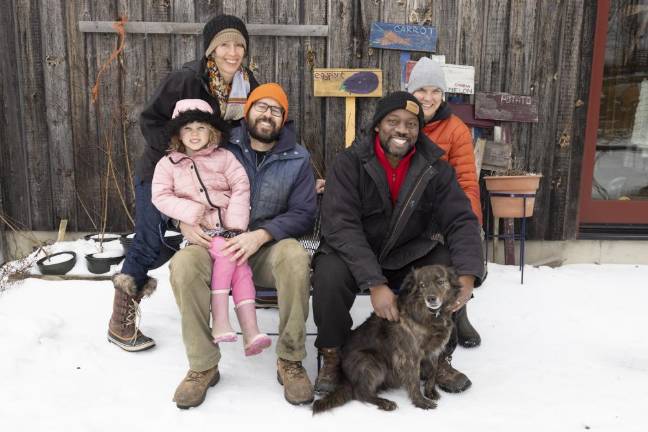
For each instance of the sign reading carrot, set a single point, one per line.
(349, 84)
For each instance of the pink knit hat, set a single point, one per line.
(190, 105)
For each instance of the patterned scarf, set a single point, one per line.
(231, 97)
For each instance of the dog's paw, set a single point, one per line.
(425, 404)
(387, 405)
(432, 393)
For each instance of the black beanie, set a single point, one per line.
(394, 101)
(220, 23)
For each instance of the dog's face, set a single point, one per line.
(431, 290)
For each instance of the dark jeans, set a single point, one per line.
(149, 229)
(335, 290)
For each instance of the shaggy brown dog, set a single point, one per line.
(381, 354)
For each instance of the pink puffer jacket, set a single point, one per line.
(183, 187)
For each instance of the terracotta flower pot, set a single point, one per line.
(512, 207)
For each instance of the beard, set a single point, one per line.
(265, 137)
(395, 151)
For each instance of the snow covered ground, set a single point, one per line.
(566, 351)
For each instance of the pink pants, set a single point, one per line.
(226, 273)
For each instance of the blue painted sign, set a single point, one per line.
(403, 37)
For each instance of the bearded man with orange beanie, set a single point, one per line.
(283, 201)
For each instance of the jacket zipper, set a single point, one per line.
(391, 239)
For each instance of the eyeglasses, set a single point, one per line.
(262, 107)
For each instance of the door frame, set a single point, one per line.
(602, 211)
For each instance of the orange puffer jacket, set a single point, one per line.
(451, 134)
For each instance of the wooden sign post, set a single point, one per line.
(349, 84)
(403, 37)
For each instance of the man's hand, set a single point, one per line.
(195, 234)
(319, 186)
(244, 245)
(467, 285)
(383, 301)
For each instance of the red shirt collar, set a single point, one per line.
(395, 176)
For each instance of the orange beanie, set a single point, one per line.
(269, 90)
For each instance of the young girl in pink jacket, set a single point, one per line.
(201, 183)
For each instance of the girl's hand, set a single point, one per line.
(195, 234)
(244, 245)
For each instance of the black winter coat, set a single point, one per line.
(360, 224)
(191, 81)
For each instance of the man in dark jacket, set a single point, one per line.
(389, 202)
(223, 35)
(283, 207)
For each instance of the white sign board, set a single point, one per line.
(459, 78)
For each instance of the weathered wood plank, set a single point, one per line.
(545, 87)
(470, 36)
(365, 57)
(494, 48)
(313, 55)
(340, 17)
(158, 47)
(289, 67)
(13, 167)
(109, 122)
(583, 80)
(262, 50)
(82, 60)
(392, 12)
(133, 97)
(187, 28)
(183, 46)
(31, 73)
(204, 10)
(57, 90)
(445, 17)
(568, 65)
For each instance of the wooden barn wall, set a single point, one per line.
(61, 153)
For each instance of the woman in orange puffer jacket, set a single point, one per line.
(427, 84)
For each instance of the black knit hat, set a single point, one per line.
(196, 115)
(220, 23)
(394, 101)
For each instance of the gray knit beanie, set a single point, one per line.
(426, 72)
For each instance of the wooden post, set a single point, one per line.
(349, 123)
(61, 230)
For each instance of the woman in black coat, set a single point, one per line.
(219, 78)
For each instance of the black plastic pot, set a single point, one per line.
(96, 237)
(60, 268)
(98, 265)
(165, 252)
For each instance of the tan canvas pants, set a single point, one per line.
(284, 265)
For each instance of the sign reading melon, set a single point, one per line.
(347, 82)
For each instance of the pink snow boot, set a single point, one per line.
(255, 341)
(221, 328)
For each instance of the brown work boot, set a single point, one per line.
(468, 336)
(123, 328)
(192, 390)
(329, 375)
(449, 379)
(297, 387)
